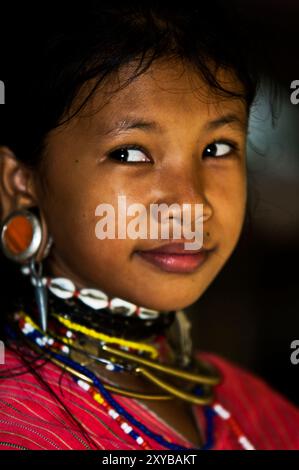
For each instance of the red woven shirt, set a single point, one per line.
(31, 418)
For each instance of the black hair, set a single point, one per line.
(86, 44)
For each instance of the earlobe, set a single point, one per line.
(16, 188)
(17, 192)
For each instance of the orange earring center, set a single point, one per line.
(18, 234)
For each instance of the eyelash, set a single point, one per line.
(233, 145)
(129, 147)
(234, 148)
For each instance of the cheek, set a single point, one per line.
(69, 208)
(229, 202)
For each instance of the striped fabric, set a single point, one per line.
(32, 418)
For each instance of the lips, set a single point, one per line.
(173, 257)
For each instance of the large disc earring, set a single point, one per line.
(22, 238)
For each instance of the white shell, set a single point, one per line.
(124, 307)
(62, 287)
(94, 298)
(147, 314)
(25, 269)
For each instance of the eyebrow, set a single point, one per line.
(230, 118)
(130, 123)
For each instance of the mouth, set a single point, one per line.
(174, 258)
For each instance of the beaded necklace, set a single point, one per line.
(88, 381)
(95, 310)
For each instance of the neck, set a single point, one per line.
(115, 317)
(131, 327)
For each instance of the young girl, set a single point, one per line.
(152, 104)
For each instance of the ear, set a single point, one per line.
(16, 183)
(17, 191)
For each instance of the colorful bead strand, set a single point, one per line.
(126, 421)
(153, 352)
(41, 340)
(124, 426)
(232, 423)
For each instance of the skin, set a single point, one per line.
(76, 174)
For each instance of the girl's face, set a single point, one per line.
(190, 150)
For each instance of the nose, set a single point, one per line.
(185, 185)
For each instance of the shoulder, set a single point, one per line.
(41, 408)
(266, 416)
(29, 415)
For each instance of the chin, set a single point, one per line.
(170, 304)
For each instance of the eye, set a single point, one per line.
(129, 154)
(219, 149)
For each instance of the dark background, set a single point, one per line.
(250, 314)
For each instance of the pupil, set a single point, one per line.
(120, 154)
(212, 149)
(123, 154)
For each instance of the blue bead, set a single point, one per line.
(209, 412)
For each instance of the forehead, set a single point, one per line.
(168, 92)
